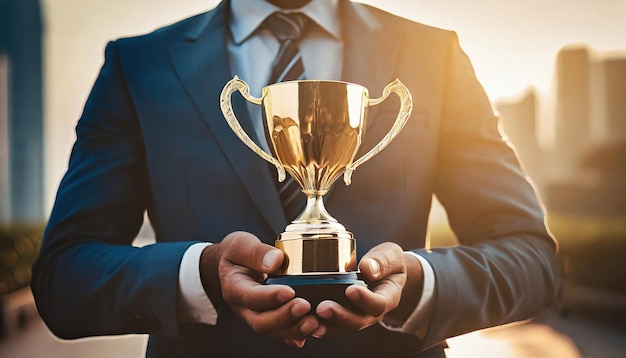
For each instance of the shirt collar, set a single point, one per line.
(247, 16)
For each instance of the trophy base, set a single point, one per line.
(316, 288)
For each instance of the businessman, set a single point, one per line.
(152, 138)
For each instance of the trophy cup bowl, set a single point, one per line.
(314, 130)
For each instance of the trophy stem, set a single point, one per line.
(316, 243)
(314, 217)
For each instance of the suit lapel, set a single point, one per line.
(201, 63)
(370, 58)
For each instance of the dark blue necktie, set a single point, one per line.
(288, 28)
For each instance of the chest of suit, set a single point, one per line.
(192, 181)
(205, 183)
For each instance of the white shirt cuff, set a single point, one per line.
(417, 324)
(194, 305)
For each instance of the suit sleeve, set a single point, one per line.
(88, 279)
(505, 268)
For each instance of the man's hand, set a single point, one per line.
(385, 271)
(232, 273)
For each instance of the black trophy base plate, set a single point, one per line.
(319, 287)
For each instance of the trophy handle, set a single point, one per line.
(227, 109)
(406, 105)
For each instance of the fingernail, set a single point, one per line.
(291, 343)
(270, 257)
(375, 267)
(319, 333)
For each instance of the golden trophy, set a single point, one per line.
(314, 130)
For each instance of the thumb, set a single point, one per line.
(381, 261)
(247, 250)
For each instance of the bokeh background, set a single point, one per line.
(554, 69)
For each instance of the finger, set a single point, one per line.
(287, 321)
(381, 261)
(384, 297)
(320, 332)
(239, 289)
(299, 331)
(339, 317)
(369, 302)
(247, 250)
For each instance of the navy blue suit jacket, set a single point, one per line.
(152, 137)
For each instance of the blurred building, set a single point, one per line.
(585, 171)
(21, 114)
(573, 107)
(519, 120)
(614, 83)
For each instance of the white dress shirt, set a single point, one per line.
(251, 51)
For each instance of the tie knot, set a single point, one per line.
(287, 26)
